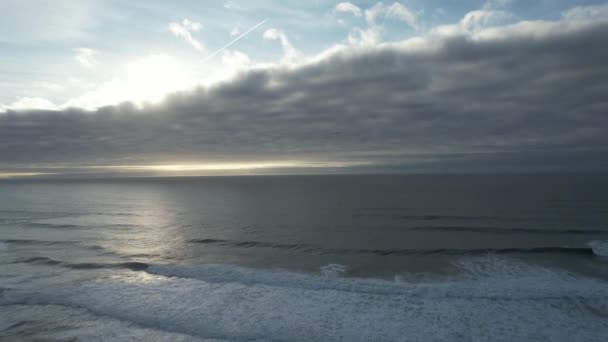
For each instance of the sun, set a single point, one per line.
(150, 78)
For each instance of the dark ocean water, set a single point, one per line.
(306, 258)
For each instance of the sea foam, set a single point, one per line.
(599, 247)
(492, 301)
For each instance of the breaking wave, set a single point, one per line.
(600, 248)
(492, 300)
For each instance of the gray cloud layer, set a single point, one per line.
(523, 97)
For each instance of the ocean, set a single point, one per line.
(305, 258)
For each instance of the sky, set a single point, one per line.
(138, 88)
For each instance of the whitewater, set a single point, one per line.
(491, 300)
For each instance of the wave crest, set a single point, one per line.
(599, 247)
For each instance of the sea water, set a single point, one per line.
(305, 258)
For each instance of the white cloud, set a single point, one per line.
(597, 12)
(234, 60)
(395, 11)
(184, 30)
(365, 37)
(85, 57)
(231, 5)
(373, 12)
(30, 103)
(474, 21)
(372, 35)
(236, 30)
(348, 7)
(400, 12)
(290, 54)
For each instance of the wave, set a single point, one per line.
(509, 279)
(33, 242)
(132, 265)
(64, 323)
(59, 225)
(457, 217)
(398, 252)
(37, 242)
(438, 217)
(492, 302)
(600, 248)
(330, 277)
(50, 225)
(507, 230)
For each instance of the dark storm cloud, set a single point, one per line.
(507, 99)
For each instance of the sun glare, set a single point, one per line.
(236, 166)
(150, 78)
(7, 175)
(145, 80)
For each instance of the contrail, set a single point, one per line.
(235, 40)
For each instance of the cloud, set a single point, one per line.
(184, 31)
(596, 12)
(523, 96)
(347, 7)
(234, 40)
(235, 31)
(30, 103)
(290, 54)
(369, 37)
(85, 57)
(475, 21)
(373, 33)
(235, 60)
(402, 13)
(395, 11)
(374, 12)
(233, 6)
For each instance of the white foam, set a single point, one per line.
(487, 276)
(333, 270)
(498, 300)
(57, 323)
(599, 247)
